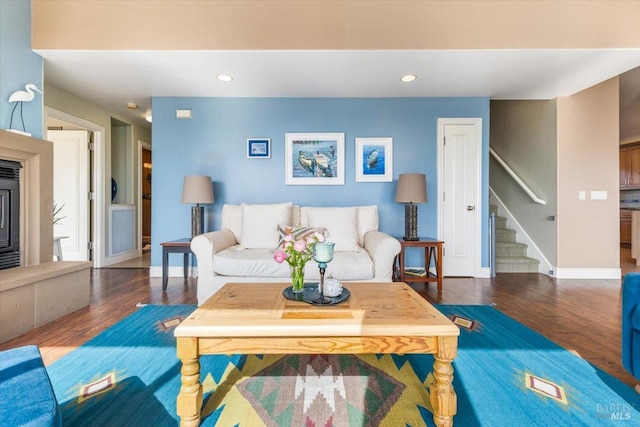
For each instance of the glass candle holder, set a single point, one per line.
(322, 254)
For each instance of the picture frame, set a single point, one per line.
(314, 159)
(374, 159)
(258, 148)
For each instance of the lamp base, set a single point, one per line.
(411, 222)
(197, 224)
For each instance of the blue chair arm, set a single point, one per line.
(630, 300)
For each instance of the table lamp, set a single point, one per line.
(411, 189)
(197, 189)
(322, 254)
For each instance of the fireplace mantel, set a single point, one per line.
(36, 200)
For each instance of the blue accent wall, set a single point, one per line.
(214, 143)
(19, 65)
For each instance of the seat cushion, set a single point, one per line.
(27, 395)
(235, 261)
(238, 262)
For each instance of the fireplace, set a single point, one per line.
(36, 195)
(9, 214)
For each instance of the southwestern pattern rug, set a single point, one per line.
(505, 375)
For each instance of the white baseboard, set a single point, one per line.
(484, 273)
(587, 273)
(121, 258)
(174, 271)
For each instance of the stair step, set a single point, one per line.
(501, 222)
(511, 249)
(493, 209)
(505, 235)
(517, 265)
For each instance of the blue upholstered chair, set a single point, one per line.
(631, 323)
(26, 395)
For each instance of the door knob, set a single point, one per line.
(470, 208)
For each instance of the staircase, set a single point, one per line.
(511, 256)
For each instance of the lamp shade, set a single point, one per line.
(197, 189)
(412, 188)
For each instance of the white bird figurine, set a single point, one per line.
(21, 96)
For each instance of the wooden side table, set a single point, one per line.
(432, 252)
(180, 246)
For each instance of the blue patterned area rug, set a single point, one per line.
(505, 375)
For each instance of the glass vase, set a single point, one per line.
(297, 278)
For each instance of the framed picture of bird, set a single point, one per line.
(374, 159)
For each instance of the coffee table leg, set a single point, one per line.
(443, 397)
(189, 400)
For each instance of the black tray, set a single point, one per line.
(310, 295)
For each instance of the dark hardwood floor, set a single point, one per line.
(580, 315)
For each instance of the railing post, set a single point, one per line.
(492, 244)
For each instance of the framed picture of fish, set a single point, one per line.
(258, 148)
(374, 159)
(314, 159)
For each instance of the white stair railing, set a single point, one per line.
(516, 178)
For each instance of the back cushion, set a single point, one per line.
(231, 219)
(340, 223)
(367, 221)
(260, 224)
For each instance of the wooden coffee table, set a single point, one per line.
(254, 318)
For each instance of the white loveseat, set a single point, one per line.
(242, 250)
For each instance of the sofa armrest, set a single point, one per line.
(205, 246)
(630, 300)
(382, 249)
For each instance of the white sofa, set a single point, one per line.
(242, 250)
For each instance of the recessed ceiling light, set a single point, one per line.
(408, 78)
(132, 106)
(224, 77)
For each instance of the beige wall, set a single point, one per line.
(523, 133)
(588, 144)
(119, 25)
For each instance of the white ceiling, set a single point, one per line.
(110, 79)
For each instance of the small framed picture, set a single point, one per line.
(314, 159)
(374, 159)
(258, 148)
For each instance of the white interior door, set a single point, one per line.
(71, 190)
(459, 226)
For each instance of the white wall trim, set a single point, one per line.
(141, 145)
(477, 123)
(98, 218)
(174, 271)
(121, 258)
(588, 273)
(522, 237)
(484, 273)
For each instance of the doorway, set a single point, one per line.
(94, 222)
(144, 180)
(459, 191)
(71, 184)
